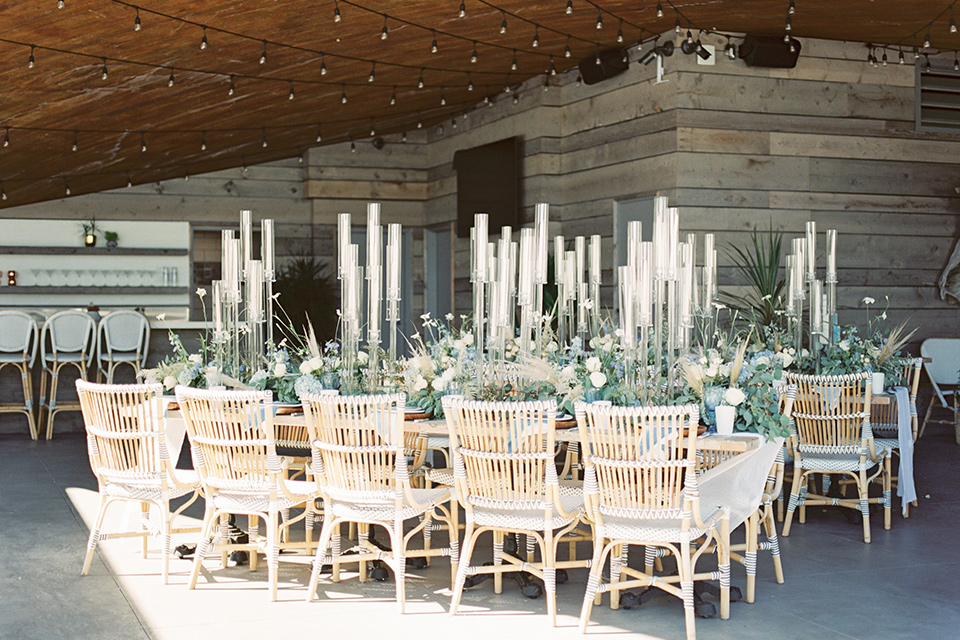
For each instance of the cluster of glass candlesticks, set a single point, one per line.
(803, 285)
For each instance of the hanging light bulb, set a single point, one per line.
(597, 59)
(420, 84)
(926, 41)
(473, 54)
(487, 101)
(546, 83)
(129, 181)
(290, 95)
(353, 147)
(336, 11)
(792, 9)
(143, 143)
(31, 60)
(453, 122)
(372, 130)
(536, 36)
(186, 175)
(463, 11)
(433, 44)
(569, 7)
(516, 99)
(884, 57)
(319, 134)
(103, 72)
(59, 4)
(232, 88)
(383, 32)
(579, 80)
(599, 19)
(926, 64)
(553, 67)
(403, 137)
(953, 25)
(469, 83)
(393, 96)
(203, 141)
(506, 87)
(419, 122)
(373, 73)
(263, 56)
(6, 138)
(203, 40)
(659, 10)
(170, 79)
(689, 37)
(263, 137)
(66, 187)
(956, 62)
(676, 25)
(566, 49)
(620, 31)
(343, 94)
(513, 63)
(443, 98)
(3, 192)
(300, 158)
(503, 24)
(916, 53)
(136, 21)
(75, 145)
(900, 55)
(789, 25)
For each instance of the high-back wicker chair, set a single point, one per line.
(361, 471)
(19, 340)
(640, 487)
(123, 337)
(66, 340)
(832, 418)
(234, 452)
(506, 480)
(127, 447)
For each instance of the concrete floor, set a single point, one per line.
(903, 585)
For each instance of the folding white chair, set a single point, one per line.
(941, 362)
(18, 348)
(66, 340)
(123, 337)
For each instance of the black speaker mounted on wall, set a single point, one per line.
(772, 53)
(612, 63)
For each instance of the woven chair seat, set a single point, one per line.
(441, 476)
(885, 445)
(146, 492)
(529, 519)
(653, 530)
(119, 356)
(258, 502)
(438, 442)
(834, 461)
(385, 511)
(14, 357)
(65, 357)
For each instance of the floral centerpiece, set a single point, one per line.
(442, 362)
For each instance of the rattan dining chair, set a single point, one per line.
(19, 340)
(123, 337)
(127, 447)
(832, 418)
(233, 445)
(640, 487)
(66, 340)
(506, 480)
(362, 473)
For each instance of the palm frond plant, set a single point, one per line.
(759, 265)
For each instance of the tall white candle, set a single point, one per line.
(394, 233)
(595, 274)
(580, 255)
(686, 284)
(506, 276)
(645, 285)
(529, 253)
(218, 326)
(255, 291)
(634, 238)
(570, 275)
(541, 225)
(374, 285)
(792, 284)
(267, 249)
(491, 261)
(709, 272)
(480, 222)
(628, 323)
(559, 253)
(673, 242)
(811, 251)
(831, 255)
(246, 238)
(799, 250)
(343, 244)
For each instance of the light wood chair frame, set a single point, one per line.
(835, 437)
(52, 365)
(233, 445)
(640, 464)
(127, 447)
(28, 356)
(106, 347)
(361, 470)
(506, 479)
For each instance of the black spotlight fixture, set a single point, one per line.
(665, 50)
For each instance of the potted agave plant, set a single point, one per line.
(90, 232)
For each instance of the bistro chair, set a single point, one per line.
(941, 356)
(123, 337)
(19, 339)
(506, 480)
(832, 417)
(640, 487)
(66, 340)
(233, 445)
(127, 447)
(362, 474)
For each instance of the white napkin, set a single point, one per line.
(906, 488)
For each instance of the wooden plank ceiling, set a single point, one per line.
(122, 92)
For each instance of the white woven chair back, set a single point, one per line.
(359, 440)
(19, 334)
(506, 449)
(644, 457)
(231, 438)
(68, 332)
(124, 331)
(832, 413)
(125, 437)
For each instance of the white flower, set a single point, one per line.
(868, 300)
(882, 316)
(468, 339)
(724, 370)
(597, 379)
(448, 317)
(438, 384)
(593, 364)
(568, 372)
(275, 296)
(734, 396)
(169, 382)
(310, 365)
(161, 317)
(763, 360)
(362, 357)
(280, 369)
(425, 316)
(201, 292)
(282, 344)
(785, 358)
(844, 345)
(711, 371)
(415, 336)
(459, 345)
(551, 347)
(420, 384)
(195, 358)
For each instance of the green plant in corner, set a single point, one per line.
(759, 265)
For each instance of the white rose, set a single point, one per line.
(309, 365)
(362, 357)
(468, 339)
(280, 369)
(724, 370)
(597, 379)
(844, 345)
(711, 371)
(786, 359)
(420, 384)
(439, 384)
(195, 358)
(593, 364)
(169, 382)
(734, 397)
(459, 345)
(568, 372)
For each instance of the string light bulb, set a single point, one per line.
(900, 57)
(66, 186)
(676, 25)
(620, 31)
(76, 144)
(3, 192)
(373, 131)
(353, 147)
(792, 9)
(579, 80)
(343, 94)
(263, 137)
(513, 63)
(956, 62)
(884, 59)
(689, 37)
(263, 55)
(336, 11)
(566, 49)
(319, 134)
(569, 7)
(926, 64)
(393, 96)
(473, 54)
(136, 21)
(469, 83)
(384, 30)
(789, 25)
(203, 141)
(659, 11)
(31, 61)
(232, 88)
(103, 71)
(59, 4)
(463, 11)
(503, 24)
(6, 138)
(599, 19)
(323, 64)
(403, 137)
(129, 181)
(373, 73)
(419, 122)
(453, 122)
(203, 40)
(553, 67)
(186, 175)
(170, 79)
(433, 44)
(953, 25)
(420, 84)
(536, 36)
(290, 95)
(143, 143)
(926, 41)
(443, 98)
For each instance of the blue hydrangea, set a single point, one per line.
(259, 379)
(307, 384)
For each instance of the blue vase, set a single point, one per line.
(712, 396)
